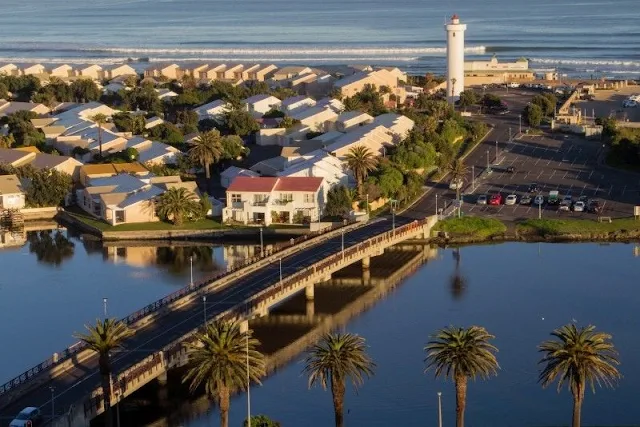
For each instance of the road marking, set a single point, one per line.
(597, 189)
(590, 174)
(549, 162)
(583, 188)
(553, 173)
(565, 174)
(611, 188)
(541, 172)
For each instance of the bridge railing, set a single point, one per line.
(77, 347)
(174, 349)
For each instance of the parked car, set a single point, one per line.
(568, 199)
(594, 206)
(525, 200)
(455, 184)
(554, 197)
(511, 169)
(564, 206)
(482, 199)
(533, 188)
(511, 200)
(538, 200)
(496, 199)
(578, 206)
(27, 414)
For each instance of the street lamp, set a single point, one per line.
(248, 385)
(496, 151)
(437, 214)
(342, 243)
(53, 404)
(118, 396)
(473, 178)
(280, 274)
(104, 306)
(520, 123)
(487, 160)
(439, 409)
(204, 309)
(191, 269)
(261, 244)
(393, 215)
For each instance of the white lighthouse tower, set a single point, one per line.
(455, 58)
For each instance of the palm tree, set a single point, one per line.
(458, 171)
(177, 203)
(336, 358)
(361, 161)
(99, 119)
(206, 149)
(462, 353)
(579, 357)
(220, 357)
(105, 336)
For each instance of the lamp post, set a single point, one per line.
(473, 178)
(118, 396)
(261, 244)
(487, 160)
(496, 151)
(104, 306)
(204, 309)
(280, 274)
(342, 246)
(439, 409)
(393, 215)
(520, 124)
(539, 210)
(248, 385)
(191, 269)
(437, 214)
(509, 133)
(53, 402)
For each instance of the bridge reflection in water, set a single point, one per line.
(288, 329)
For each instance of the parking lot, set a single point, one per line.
(567, 164)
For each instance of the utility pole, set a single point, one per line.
(437, 213)
(439, 409)
(261, 244)
(497, 149)
(204, 309)
(520, 123)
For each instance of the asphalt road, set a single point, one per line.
(81, 380)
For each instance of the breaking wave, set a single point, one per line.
(586, 62)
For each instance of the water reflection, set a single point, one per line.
(50, 246)
(457, 281)
(178, 259)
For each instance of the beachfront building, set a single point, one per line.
(376, 138)
(258, 105)
(12, 193)
(290, 72)
(266, 200)
(40, 161)
(351, 119)
(10, 107)
(317, 119)
(170, 72)
(214, 110)
(62, 71)
(33, 70)
(106, 170)
(92, 71)
(232, 172)
(261, 73)
(495, 72)
(391, 78)
(9, 70)
(112, 71)
(296, 103)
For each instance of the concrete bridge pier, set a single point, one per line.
(309, 292)
(162, 379)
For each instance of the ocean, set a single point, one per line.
(579, 38)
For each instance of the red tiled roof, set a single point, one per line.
(295, 183)
(267, 184)
(253, 184)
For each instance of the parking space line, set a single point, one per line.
(553, 172)
(565, 174)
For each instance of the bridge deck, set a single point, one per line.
(80, 380)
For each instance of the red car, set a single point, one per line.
(496, 199)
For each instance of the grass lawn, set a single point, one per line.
(471, 226)
(203, 224)
(555, 227)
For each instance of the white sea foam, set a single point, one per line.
(356, 51)
(584, 62)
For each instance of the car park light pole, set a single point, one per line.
(191, 269)
(53, 402)
(204, 309)
(439, 409)
(437, 216)
(261, 244)
(488, 161)
(473, 179)
(104, 306)
(539, 209)
(497, 151)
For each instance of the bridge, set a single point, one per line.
(70, 378)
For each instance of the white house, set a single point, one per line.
(9, 69)
(372, 136)
(335, 104)
(296, 103)
(260, 104)
(33, 69)
(93, 72)
(153, 152)
(229, 174)
(116, 70)
(64, 70)
(11, 192)
(213, 110)
(318, 164)
(152, 122)
(319, 119)
(352, 119)
(166, 94)
(266, 200)
(398, 125)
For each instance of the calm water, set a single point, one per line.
(583, 37)
(519, 292)
(51, 286)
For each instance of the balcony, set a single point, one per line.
(282, 202)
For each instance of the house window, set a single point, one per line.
(286, 197)
(260, 199)
(308, 198)
(236, 198)
(119, 216)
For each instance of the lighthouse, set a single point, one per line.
(455, 58)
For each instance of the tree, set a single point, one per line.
(547, 103)
(219, 358)
(468, 98)
(534, 114)
(84, 90)
(178, 203)
(107, 335)
(46, 187)
(579, 357)
(20, 127)
(127, 122)
(490, 100)
(462, 353)
(206, 149)
(99, 119)
(237, 121)
(232, 147)
(167, 132)
(261, 421)
(273, 113)
(334, 360)
(288, 122)
(338, 202)
(4, 92)
(361, 161)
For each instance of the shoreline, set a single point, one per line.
(537, 231)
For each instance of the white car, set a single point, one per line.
(455, 185)
(511, 199)
(27, 414)
(579, 206)
(627, 103)
(482, 199)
